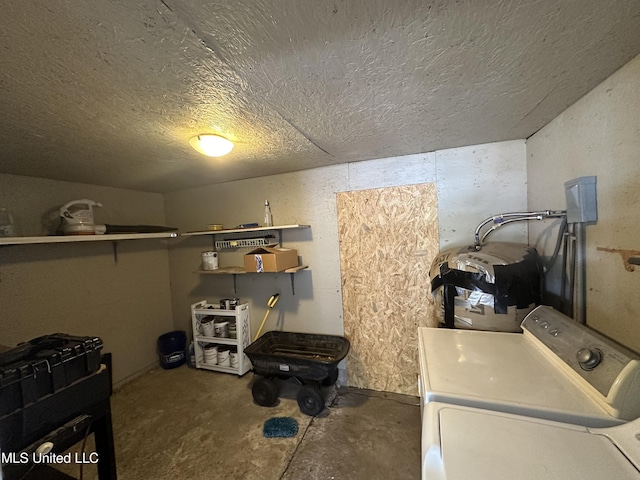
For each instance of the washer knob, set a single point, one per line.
(588, 358)
(43, 449)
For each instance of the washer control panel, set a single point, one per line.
(595, 358)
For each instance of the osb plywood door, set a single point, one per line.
(388, 238)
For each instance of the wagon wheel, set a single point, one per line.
(310, 400)
(265, 392)
(331, 379)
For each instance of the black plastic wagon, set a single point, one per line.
(309, 358)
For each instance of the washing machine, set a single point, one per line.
(462, 443)
(557, 370)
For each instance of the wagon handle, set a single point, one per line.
(271, 303)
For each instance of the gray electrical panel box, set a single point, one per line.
(581, 200)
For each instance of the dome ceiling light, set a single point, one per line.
(211, 145)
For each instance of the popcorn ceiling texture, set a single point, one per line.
(110, 92)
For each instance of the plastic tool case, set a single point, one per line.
(43, 366)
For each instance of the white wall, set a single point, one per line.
(473, 183)
(78, 288)
(599, 135)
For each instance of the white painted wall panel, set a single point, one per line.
(477, 182)
(305, 197)
(599, 135)
(78, 288)
(392, 172)
(472, 184)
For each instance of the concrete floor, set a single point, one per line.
(195, 424)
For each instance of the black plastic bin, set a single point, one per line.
(43, 366)
(172, 349)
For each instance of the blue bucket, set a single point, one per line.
(171, 348)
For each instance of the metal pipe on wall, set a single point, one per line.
(580, 286)
(582, 209)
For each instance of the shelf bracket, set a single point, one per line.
(292, 272)
(293, 288)
(115, 251)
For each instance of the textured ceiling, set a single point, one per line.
(109, 92)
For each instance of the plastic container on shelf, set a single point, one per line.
(268, 217)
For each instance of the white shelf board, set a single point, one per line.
(131, 236)
(221, 340)
(217, 368)
(243, 230)
(242, 271)
(84, 238)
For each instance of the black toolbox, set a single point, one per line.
(43, 366)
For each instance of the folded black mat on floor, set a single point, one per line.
(279, 427)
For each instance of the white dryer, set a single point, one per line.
(462, 443)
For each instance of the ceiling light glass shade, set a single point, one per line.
(211, 145)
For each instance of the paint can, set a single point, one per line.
(234, 302)
(224, 357)
(210, 354)
(233, 332)
(234, 358)
(225, 304)
(221, 328)
(209, 260)
(206, 326)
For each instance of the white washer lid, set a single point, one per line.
(483, 445)
(627, 439)
(504, 372)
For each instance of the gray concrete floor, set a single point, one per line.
(195, 424)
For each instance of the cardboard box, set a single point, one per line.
(270, 259)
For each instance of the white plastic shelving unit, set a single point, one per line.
(243, 328)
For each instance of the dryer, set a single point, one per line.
(462, 443)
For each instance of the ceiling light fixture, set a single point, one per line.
(211, 145)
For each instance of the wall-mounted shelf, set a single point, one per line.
(233, 238)
(130, 236)
(241, 271)
(224, 271)
(84, 238)
(114, 238)
(141, 236)
(243, 230)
